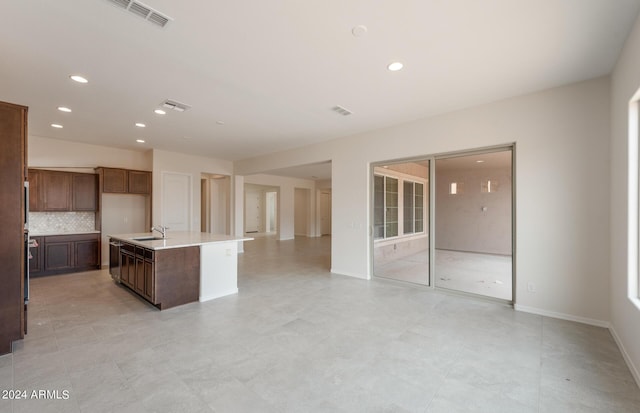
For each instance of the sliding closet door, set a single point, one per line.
(400, 221)
(473, 224)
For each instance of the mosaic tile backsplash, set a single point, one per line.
(43, 222)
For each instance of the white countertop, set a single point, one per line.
(176, 239)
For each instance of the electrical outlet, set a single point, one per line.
(531, 287)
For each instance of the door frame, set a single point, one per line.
(432, 215)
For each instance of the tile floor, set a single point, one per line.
(475, 273)
(299, 339)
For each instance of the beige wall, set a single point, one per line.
(461, 223)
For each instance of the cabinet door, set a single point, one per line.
(34, 191)
(55, 191)
(149, 281)
(87, 254)
(114, 180)
(58, 256)
(139, 281)
(139, 182)
(84, 192)
(128, 269)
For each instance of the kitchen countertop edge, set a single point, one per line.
(177, 239)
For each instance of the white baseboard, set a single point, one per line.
(634, 370)
(349, 274)
(214, 296)
(562, 316)
(598, 323)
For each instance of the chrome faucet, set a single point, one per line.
(161, 229)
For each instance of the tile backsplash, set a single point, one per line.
(43, 222)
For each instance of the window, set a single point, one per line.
(413, 207)
(397, 200)
(385, 207)
(634, 201)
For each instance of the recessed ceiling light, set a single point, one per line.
(79, 79)
(56, 125)
(141, 125)
(160, 112)
(395, 66)
(479, 161)
(140, 140)
(64, 109)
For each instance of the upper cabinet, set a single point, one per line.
(57, 191)
(125, 181)
(84, 194)
(139, 182)
(114, 180)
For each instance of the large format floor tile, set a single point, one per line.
(298, 338)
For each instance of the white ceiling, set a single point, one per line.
(272, 70)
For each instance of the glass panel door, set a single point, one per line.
(473, 224)
(400, 217)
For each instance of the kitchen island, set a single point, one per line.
(183, 267)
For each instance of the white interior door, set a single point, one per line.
(252, 209)
(176, 201)
(325, 213)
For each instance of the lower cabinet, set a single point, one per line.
(166, 278)
(137, 270)
(59, 254)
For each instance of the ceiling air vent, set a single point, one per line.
(341, 110)
(173, 105)
(144, 11)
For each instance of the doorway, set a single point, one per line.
(473, 224)
(215, 204)
(325, 212)
(446, 221)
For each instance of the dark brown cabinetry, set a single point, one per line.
(125, 181)
(139, 182)
(58, 191)
(84, 194)
(57, 254)
(13, 134)
(165, 278)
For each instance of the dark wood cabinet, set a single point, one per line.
(13, 156)
(166, 278)
(84, 192)
(59, 191)
(60, 254)
(125, 181)
(35, 204)
(55, 190)
(139, 182)
(114, 180)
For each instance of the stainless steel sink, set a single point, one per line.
(147, 238)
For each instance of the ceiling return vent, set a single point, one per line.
(144, 11)
(173, 105)
(342, 111)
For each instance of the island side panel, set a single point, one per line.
(218, 270)
(177, 276)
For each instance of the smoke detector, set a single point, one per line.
(144, 11)
(174, 105)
